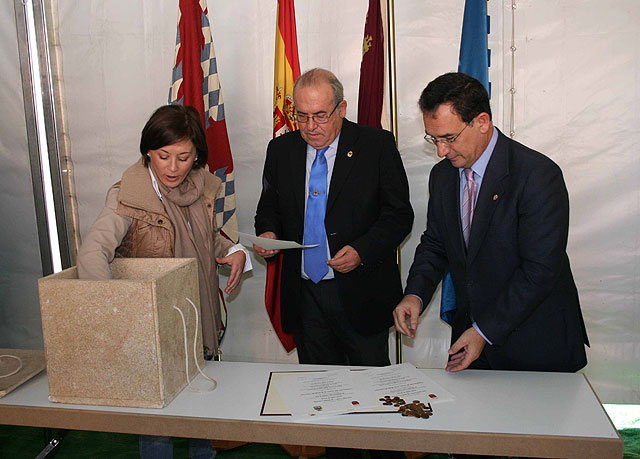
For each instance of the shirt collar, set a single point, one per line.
(332, 147)
(480, 166)
(154, 182)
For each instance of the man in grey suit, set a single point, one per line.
(497, 219)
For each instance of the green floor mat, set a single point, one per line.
(27, 442)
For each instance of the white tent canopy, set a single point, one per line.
(577, 81)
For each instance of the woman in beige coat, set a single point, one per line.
(164, 207)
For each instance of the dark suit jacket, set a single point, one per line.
(368, 208)
(514, 279)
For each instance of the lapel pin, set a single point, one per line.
(495, 197)
(349, 154)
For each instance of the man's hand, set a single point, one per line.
(235, 261)
(263, 252)
(465, 350)
(345, 260)
(409, 306)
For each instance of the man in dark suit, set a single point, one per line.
(337, 298)
(497, 219)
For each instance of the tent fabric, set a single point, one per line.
(577, 81)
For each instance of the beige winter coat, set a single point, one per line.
(135, 224)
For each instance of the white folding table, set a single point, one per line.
(501, 413)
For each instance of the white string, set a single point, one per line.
(7, 356)
(186, 353)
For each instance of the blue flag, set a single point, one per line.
(475, 59)
(475, 56)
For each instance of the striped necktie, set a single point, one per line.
(468, 204)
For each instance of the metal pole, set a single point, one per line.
(32, 138)
(42, 135)
(393, 97)
(392, 68)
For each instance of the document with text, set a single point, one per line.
(308, 394)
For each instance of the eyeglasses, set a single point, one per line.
(319, 118)
(448, 140)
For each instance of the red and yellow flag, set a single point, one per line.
(286, 72)
(286, 69)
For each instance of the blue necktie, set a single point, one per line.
(315, 259)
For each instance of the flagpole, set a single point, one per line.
(393, 97)
(392, 68)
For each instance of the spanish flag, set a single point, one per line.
(286, 72)
(286, 69)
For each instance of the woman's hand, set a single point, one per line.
(235, 261)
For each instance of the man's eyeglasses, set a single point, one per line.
(447, 140)
(319, 118)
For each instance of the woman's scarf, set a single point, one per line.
(193, 239)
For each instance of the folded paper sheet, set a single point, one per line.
(274, 244)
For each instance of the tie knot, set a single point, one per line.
(320, 153)
(468, 173)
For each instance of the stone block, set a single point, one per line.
(120, 342)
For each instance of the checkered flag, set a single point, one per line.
(195, 82)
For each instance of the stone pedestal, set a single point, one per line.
(121, 342)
